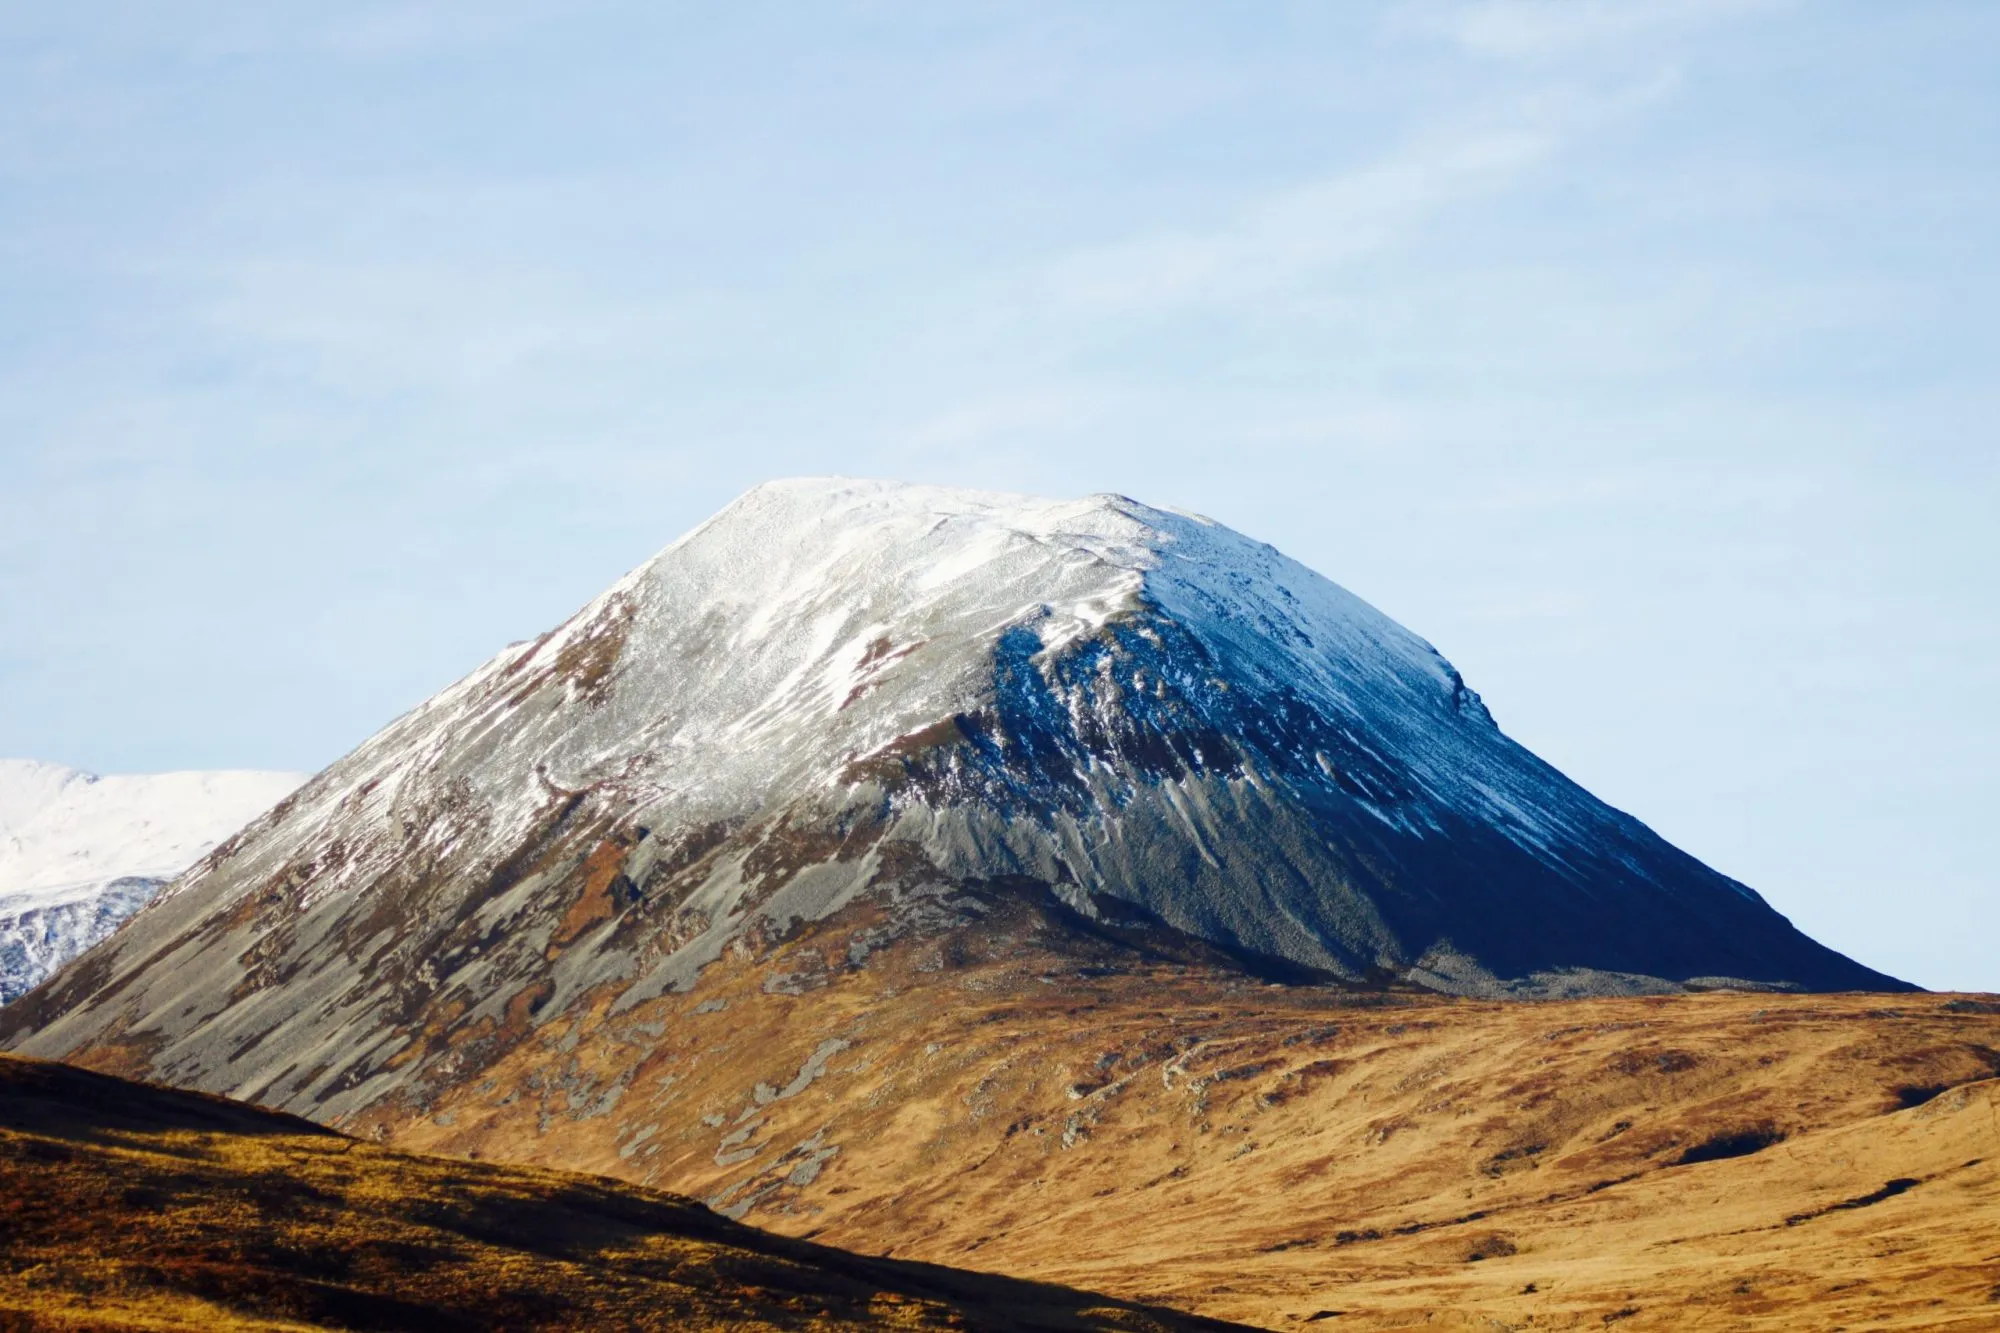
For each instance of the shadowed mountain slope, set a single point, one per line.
(133, 1207)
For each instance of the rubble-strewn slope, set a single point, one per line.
(132, 1207)
(845, 700)
(81, 853)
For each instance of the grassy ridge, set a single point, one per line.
(133, 1207)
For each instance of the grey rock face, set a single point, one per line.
(837, 690)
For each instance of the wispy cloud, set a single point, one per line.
(1537, 30)
(1275, 241)
(1276, 244)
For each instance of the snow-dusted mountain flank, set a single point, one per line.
(80, 853)
(853, 702)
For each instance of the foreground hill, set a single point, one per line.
(80, 853)
(132, 1207)
(930, 711)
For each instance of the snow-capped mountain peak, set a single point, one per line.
(79, 853)
(744, 650)
(898, 712)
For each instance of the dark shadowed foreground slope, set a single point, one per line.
(129, 1207)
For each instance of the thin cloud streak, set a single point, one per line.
(1551, 30)
(1295, 234)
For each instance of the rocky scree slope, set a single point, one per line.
(80, 853)
(843, 696)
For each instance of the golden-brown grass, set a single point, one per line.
(1281, 1155)
(130, 1207)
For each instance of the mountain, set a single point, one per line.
(80, 853)
(899, 720)
(133, 1207)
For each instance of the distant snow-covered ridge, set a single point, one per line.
(81, 853)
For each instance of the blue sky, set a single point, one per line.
(1641, 355)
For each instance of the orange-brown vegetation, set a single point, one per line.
(124, 1206)
(1284, 1155)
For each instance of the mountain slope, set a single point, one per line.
(132, 1207)
(1161, 1130)
(926, 710)
(80, 853)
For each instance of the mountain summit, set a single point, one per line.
(910, 707)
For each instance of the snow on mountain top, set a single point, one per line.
(791, 542)
(64, 832)
(816, 622)
(26, 785)
(734, 664)
(822, 585)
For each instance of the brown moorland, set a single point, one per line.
(124, 1206)
(1166, 1129)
